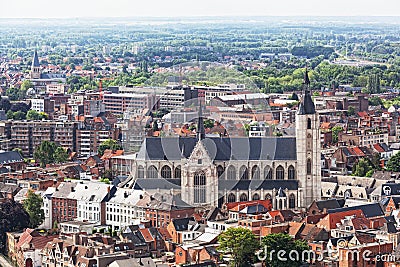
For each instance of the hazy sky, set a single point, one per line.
(173, 8)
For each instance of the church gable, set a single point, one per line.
(200, 156)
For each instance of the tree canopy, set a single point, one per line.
(33, 206)
(108, 144)
(394, 163)
(292, 250)
(34, 115)
(49, 152)
(13, 218)
(241, 244)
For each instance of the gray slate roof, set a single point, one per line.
(223, 149)
(10, 157)
(369, 210)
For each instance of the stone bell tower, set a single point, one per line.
(308, 148)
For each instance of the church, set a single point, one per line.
(216, 170)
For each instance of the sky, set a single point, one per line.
(179, 8)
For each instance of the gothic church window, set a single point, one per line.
(140, 172)
(292, 201)
(256, 197)
(231, 173)
(200, 187)
(291, 173)
(243, 197)
(152, 172)
(231, 198)
(255, 173)
(220, 172)
(244, 173)
(166, 172)
(280, 173)
(308, 166)
(268, 173)
(178, 172)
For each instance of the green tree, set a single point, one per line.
(208, 123)
(283, 242)
(394, 163)
(45, 153)
(362, 167)
(351, 111)
(33, 206)
(34, 115)
(26, 85)
(241, 244)
(108, 144)
(375, 101)
(335, 133)
(60, 155)
(13, 218)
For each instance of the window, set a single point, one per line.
(292, 201)
(166, 172)
(243, 173)
(231, 198)
(256, 197)
(291, 173)
(268, 173)
(200, 187)
(308, 166)
(152, 172)
(231, 173)
(255, 173)
(220, 172)
(268, 196)
(200, 161)
(140, 173)
(178, 172)
(308, 123)
(243, 197)
(280, 173)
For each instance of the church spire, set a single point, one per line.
(306, 104)
(35, 60)
(200, 132)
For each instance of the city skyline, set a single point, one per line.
(174, 8)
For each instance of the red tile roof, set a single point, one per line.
(147, 235)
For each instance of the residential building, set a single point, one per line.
(120, 103)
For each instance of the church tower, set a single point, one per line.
(199, 174)
(35, 68)
(308, 147)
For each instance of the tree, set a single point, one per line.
(45, 153)
(375, 101)
(335, 133)
(241, 243)
(362, 167)
(60, 155)
(351, 111)
(4, 104)
(108, 144)
(394, 163)
(34, 115)
(208, 123)
(26, 85)
(13, 218)
(33, 206)
(293, 250)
